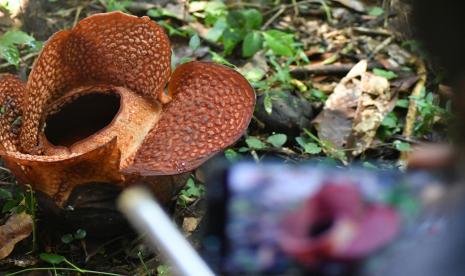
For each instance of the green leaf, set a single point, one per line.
(36, 45)
(402, 146)
(231, 155)
(252, 43)
(246, 20)
(231, 38)
(10, 54)
(19, 209)
(375, 11)
(254, 74)
(312, 148)
(194, 42)
(309, 147)
(9, 205)
(4, 194)
(215, 33)
(80, 234)
(280, 43)
(243, 149)
(15, 38)
(192, 190)
(215, 7)
(253, 19)
(317, 95)
(184, 60)
(172, 30)
(369, 166)
(163, 270)
(277, 140)
(52, 258)
(255, 143)
(390, 120)
(160, 13)
(268, 103)
(385, 73)
(403, 103)
(67, 238)
(220, 59)
(117, 5)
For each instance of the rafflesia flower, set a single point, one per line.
(336, 225)
(95, 109)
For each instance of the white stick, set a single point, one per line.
(144, 212)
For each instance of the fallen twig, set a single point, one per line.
(273, 18)
(381, 46)
(368, 31)
(328, 69)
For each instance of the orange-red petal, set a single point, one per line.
(57, 176)
(111, 48)
(12, 92)
(212, 106)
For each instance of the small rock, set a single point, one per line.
(290, 113)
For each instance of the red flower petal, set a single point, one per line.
(212, 105)
(111, 48)
(12, 92)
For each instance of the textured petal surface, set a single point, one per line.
(12, 91)
(57, 176)
(212, 106)
(112, 48)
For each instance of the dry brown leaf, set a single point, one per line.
(17, 228)
(374, 104)
(334, 123)
(355, 110)
(189, 224)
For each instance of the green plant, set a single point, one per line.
(141, 259)
(385, 73)
(318, 95)
(254, 143)
(14, 201)
(390, 126)
(308, 146)
(9, 43)
(190, 193)
(315, 145)
(116, 5)
(78, 235)
(277, 140)
(402, 146)
(232, 155)
(429, 113)
(163, 270)
(54, 260)
(275, 84)
(242, 27)
(375, 11)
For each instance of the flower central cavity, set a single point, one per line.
(81, 118)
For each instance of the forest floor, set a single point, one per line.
(295, 54)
